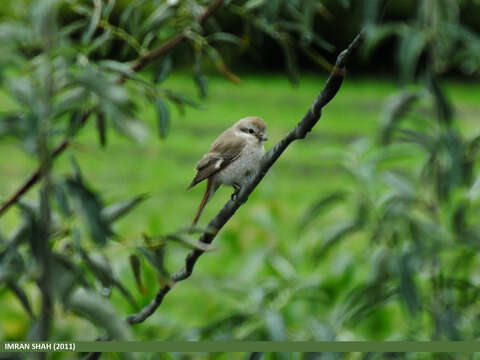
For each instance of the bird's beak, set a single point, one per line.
(263, 138)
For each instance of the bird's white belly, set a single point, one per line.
(239, 170)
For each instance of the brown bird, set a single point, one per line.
(232, 158)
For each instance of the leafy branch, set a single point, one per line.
(139, 64)
(299, 132)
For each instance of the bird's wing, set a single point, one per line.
(223, 152)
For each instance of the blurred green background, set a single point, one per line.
(306, 258)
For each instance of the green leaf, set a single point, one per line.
(181, 99)
(255, 356)
(22, 297)
(94, 21)
(411, 46)
(188, 242)
(395, 110)
(117, 210)
(163, 116)
(44, 16)
(164, 70)
(155, 256)
(35, 231)
(365, 299)
(15, 124)
(113, 95)
(101, 268)
(254, 4)
(320, 206)
(221, 66)
(75, 123)
(283, 267)
(90, 207)
(25, 93)
(88, 304)
(128, 126)
(136, 267)
(408, 289)
(20, 234)
(442, 104)
(70, 100)
(108, 8)
(376, 35)
(201, 81)
(60, 196)
(158, 18)
(100, 43)
(335, 234)
(275, 326)
(16, 32)
(225, 37)
(285, 43)
(64, 276)
(118, 67)
(11, 265)
(102, 129)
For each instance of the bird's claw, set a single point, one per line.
(235, 193)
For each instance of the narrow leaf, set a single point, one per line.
(395, 110)
(320, 206)
(157, 18)
(94, 21)
(189, 242)
(201, 81)
(60, 196)
(99, 311)
(442, 104)
(118, 67)
(90, 207)
(135, 265)
(117, 210)
(102, 129)
(22, 297)
(155, 256)
(164, 70)
(225, 37)
(408, 288)
(254, 4)
(130, 127)
(163, 116)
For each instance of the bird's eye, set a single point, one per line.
(251, 131)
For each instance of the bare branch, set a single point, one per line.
(312, 116)
(137, 66)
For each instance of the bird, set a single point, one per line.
(232, 158)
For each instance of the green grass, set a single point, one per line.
(263, 228)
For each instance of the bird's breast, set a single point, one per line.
(245, 165)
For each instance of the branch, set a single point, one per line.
(137, 66)
(329, 91)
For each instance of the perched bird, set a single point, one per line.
(232, 158)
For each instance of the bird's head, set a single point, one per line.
(252, 126)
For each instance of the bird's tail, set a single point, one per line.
(208, 194)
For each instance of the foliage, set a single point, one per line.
(410, 203)
(59, 75)
(419, 218)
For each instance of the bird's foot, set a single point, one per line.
(235, 193)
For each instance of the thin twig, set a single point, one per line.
(137, 66)
(299, 132)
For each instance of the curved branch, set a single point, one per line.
(312, 116)
(137, 66)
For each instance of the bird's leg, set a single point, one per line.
(237, 190)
